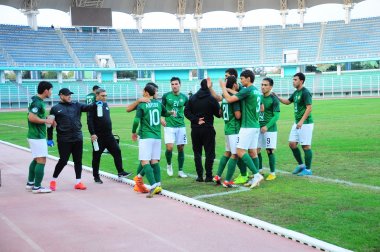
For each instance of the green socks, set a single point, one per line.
(140, 170)
(32, 173)
(256, 161)
(231, 168)
(181, 160)
(222, 164)
(242, 166)
(272, 162)
(157, 172)
(39, 174)
(297, 155)
(149, 174)
(260, 160)
(249, 162)
(308, 158)
(168, 155)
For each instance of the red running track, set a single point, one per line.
(112, 217)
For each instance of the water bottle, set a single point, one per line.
(50, 117)
(96, 145)
(99, 108)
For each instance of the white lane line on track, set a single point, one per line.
(34, 246)
(133, 225)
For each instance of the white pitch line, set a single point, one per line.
(238, 190)
(329, 180)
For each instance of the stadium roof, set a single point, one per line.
(172, 6)
(137, 8)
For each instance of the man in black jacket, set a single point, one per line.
(200, 110)
(69, 135)
(100, 127)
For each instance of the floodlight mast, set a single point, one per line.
(181, 14)
(283, 12)
(240, 14)
(139, 14)
(30, 9)
(301, 11)
(347, 6)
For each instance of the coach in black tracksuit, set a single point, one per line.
(100, 128)
(200, 110)
(69, 134)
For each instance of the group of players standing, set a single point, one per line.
(250, 125)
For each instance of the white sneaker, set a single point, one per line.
(169, 170)
(256, 180)
(41, 190)
(181, 174)
(29, 186)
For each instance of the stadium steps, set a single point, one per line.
(198, 54)
(67, 45)
(125, 47)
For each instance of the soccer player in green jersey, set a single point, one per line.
(148, 116)
(91, 97)
(231, 115)
(37, 137)
(268, 126)
(175, 130)
(243, 177)
(250, 100)
(302, 129)
(139, 182)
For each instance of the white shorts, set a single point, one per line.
(267, 140)
(248, 138)
(149, 149)
(175, 135)
(38, 147)
(231, 142)
(303, 136)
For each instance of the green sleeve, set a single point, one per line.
(276, 116)
(164, 112)
(163, 100)
(291, 98)
(136, 122)
(306, 96)
(243, 93)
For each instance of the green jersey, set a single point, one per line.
(250, 106)
(90, 98)
(231, 124)
(177, 103)
(37, 130)
(271, 105)
(150, 114)
(301, 98)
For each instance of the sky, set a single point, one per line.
(262, 17)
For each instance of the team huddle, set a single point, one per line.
(250, 118)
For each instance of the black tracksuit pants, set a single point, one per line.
(112, 146)
(66, 149)
(203, 137)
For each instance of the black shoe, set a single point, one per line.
(199, 179)
(98, 181)
(124, 174)
(208, 179)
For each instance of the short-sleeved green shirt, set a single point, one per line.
(37, 130)
(150, 114)
(90, 98)
(301, 98)
(250, 106)
(231, 124)
(271, 105)
(177, 103)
